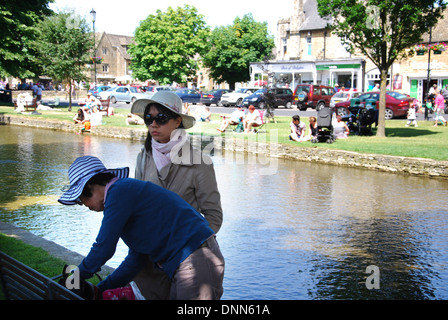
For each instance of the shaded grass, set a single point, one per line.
(34, 257)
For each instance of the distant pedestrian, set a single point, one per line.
(439, 108)
(412, 117)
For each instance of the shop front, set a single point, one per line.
(348, 74)
(283, 74)
(417, 78)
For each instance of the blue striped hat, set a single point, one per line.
(81, 171)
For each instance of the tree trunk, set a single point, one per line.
(70, 96)
(381, 129)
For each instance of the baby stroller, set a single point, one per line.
(325, 131)
(366, 117)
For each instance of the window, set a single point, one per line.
(285, 45)
(105, 68)
(104, 50)
(308, 42)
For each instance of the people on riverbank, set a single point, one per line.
(235, 118)
(170, 161)
(252, 119)
(439, 108)
(155, 223)
(312, 128)
(340, 128)
(298, 129)
(412, 116)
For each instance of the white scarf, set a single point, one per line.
(161, 151)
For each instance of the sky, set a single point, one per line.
(124, 17)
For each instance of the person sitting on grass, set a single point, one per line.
(235, 118)
(298, 129)
(252, 119)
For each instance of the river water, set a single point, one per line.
(292, 230)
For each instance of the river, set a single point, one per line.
(292, 230)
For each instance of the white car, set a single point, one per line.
(124, 94)
(235, 98)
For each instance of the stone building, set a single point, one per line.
(412, 74)
(116, 59)
(307, 52)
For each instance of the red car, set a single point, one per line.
(397, 104)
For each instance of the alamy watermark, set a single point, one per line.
(73, 279)
(252, 149)
(373, 280)
(73, 21)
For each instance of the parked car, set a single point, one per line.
(123, 94)
(397, 104)
(96, 91)
(280, 97)
(342, 96)
(155, 89)
(213, 96)
(235, 98)
(188, 95)
(313, 96)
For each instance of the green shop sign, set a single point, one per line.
(337, 66)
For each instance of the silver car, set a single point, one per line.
(123, 94)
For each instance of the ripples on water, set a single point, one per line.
(306, 232)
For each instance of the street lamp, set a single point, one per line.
(93, 15)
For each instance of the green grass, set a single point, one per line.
(34, 257)
(425, 141)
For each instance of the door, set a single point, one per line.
(414, 89)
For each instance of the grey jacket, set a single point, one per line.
(193, 179)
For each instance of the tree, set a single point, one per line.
(382, 30)
(167, 44)
(18, 20)
(65, 45)
(235, 47)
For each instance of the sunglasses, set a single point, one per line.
(160, 119)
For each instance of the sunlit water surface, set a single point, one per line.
(292, 230)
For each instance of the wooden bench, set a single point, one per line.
(20, 282)
(32, 105)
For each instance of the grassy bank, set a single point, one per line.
(425, 141)
(36, 258)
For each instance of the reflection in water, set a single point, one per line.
(309, 231)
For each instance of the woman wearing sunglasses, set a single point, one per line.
(170, 161)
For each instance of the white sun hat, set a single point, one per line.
(167, 99)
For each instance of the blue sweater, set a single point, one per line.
(152, 221)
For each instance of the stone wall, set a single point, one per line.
(394, 164)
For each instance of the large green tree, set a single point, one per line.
(234, 47)
(167, 45)
(18, 19)
(381, 30)
(64, 45)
